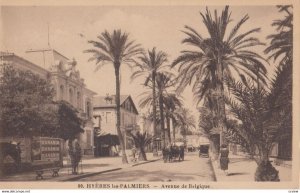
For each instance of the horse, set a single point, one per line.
(172, 153)
(11, 149)
(165, 153)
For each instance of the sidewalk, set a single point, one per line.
(89, 167)
(241, 168)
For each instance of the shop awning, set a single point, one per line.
(108, 139)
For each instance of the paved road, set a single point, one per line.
(192, 168)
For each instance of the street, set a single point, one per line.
(192, 168)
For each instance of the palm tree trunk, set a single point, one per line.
(221, 103)
(117, 74)
(162, 119)
(214, 147)
(168, 128)
(184, 136)
(265, 171)
(173, 125)
(154, 145)
(142, 154)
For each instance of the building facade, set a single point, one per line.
(105, 119)
(66, 80)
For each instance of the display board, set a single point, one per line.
(46, 149)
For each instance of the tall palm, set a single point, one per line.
(217, 57)
(208, 123)
(150, 64)
(115, 48)
(171, 102)
(184, 122)
(282, 43)
(281, 50)
(163, 81)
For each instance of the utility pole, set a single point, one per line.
(43, 50)
(40, 50)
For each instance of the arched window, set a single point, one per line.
(61, 92)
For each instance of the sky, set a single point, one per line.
(70, 27)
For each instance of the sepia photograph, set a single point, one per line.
(141, 96)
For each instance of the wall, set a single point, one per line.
(108, 119)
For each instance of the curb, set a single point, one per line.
(89, 175)
(137, 164)
(105, 171)
(213, 169)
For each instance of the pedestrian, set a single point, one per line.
(224, 160)
(78, 155)
(75, 155)
(133, 150)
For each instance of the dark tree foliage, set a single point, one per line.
(68, 124)
(27, 108)
(224, 53)
(23, 98)
(265, 117)
(281, 45)
(236, 135)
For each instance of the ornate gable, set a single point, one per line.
(129, 105)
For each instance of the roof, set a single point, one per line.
(102, 102)
(31, 64)
(60, 54)
(6, 53)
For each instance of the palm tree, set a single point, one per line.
(185, 121)
(115, 48)
(208, 124)
(163, 81)
(265, 116)
(141, 140)
(149, 66)
(171, 102)
(282, 42)
(217, 57)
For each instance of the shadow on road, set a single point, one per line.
(238, 173)
(187, 170)
(94, 165)
(152, 176)
(235, 160)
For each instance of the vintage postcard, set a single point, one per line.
(149, 94)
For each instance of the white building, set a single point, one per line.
(105, 119)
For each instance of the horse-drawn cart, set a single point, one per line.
(204, 150)
(173, 152)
